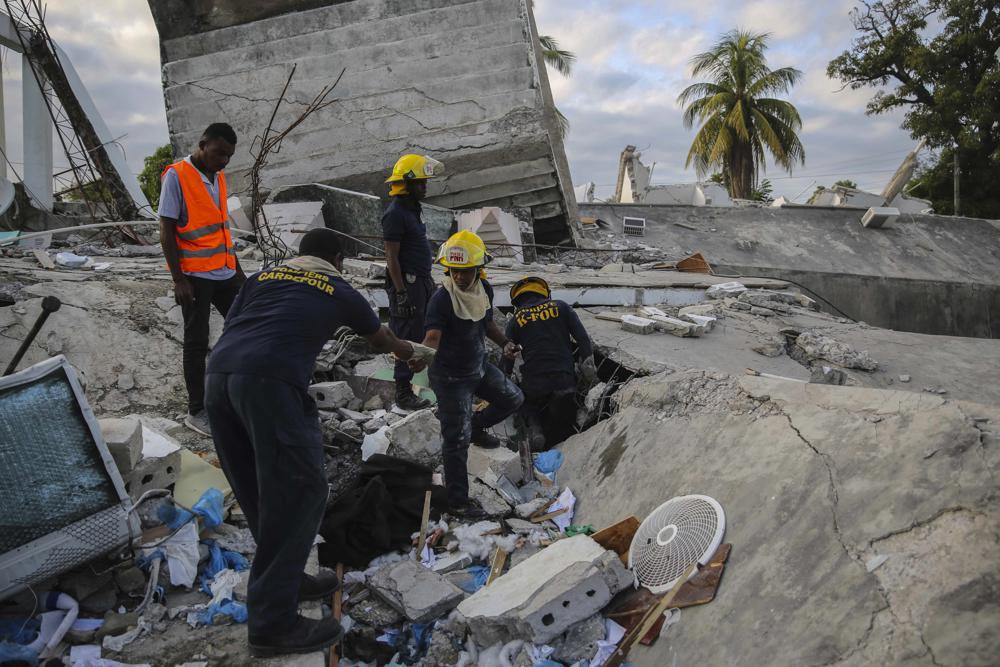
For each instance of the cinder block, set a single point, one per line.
(159, 467)
(331, 395)
(543, 596)
(124, 440)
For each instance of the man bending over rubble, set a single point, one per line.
(267, 434)
(199, 252)
(459, 319)
(546, 331)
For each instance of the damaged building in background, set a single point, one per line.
(458, 80)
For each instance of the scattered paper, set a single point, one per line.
(606, 647)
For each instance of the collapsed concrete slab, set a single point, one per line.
(543, 596)
(816, 481)
(414, 591)
(461, 80)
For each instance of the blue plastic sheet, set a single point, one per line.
(209, 507)
(220, 559)
(549, 462)
(481, 574)
(235, 610)
(19, 630)
(17, 654)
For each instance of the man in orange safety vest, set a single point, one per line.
(198, 247)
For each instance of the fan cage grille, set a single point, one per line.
(700, 524)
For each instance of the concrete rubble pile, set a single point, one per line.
(745, 366)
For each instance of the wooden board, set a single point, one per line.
(618, 536)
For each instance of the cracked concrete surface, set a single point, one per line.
(816, 481)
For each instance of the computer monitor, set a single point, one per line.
(62, 500)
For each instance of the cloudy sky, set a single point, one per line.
(632, 63)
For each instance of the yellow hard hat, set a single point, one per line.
(412, 166)
(530, 284)
(463, 250)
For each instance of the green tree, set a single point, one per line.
(739, 120)
(846, 183)
(947, 80)
(152, 167)
(561, 61)
(763, 192)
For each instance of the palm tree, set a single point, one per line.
(562, 62)
(737, 121)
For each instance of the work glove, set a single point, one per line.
(401, 307)
(588, 370)
(422, 353)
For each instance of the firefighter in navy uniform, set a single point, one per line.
(546, 331)
(408, 263)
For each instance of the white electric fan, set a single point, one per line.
(678, 533)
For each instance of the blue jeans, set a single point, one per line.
(454, 398)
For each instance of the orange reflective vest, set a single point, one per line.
(204, 242)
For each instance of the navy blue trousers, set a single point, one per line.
(268, 439)
(410, 328)
(454, 399)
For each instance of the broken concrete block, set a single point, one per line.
(554, 268)
(489, 464)
(80, 584)
(772, 347)
(371, 610)
(739, 305)
(761, 312)
(651, 311)
(417, 438)
(676, 327)
(706, 322)
(639, 325)
(458, 560)
(362, 268)
(353, 415)
(159, 466)
(124, 440)
(491, 501)
(522, 526)
(699, 309)
(545, 595)
(904, 378)
(330, 395)
(818, 346)
(725, 289)
(374, 403)
(579, 643)
(414, 591)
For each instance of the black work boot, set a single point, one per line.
(407, 400)
(305, 636)
(319, 587)
(485, 439)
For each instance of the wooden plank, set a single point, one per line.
(618, 657)
(497, 562)
(618, 536)
(425, 517)
(543, 509)
(338, 602)
(43, 258)
(550, 515)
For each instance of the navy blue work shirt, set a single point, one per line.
(546, 330)
(401, 222)
(281, 319)
(462, 350)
